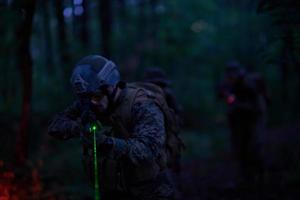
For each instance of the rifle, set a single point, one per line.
(92, 126)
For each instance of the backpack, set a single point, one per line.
(174, 144)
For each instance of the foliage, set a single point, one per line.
(191, 40)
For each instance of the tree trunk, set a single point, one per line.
(47, 35)
(24, 62)
(284, 73)
(106, 26)
(122, 9)
(142, 22)
(62, 44)
(84, 36)
(80, 22)
(123, 24)
(154, 30)
(155, 19)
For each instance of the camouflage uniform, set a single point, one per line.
(130, 167)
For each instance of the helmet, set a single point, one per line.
(233, 65)
(234, 69)
(157, 76)
(93, 72)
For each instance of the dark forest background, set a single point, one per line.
(191, 40)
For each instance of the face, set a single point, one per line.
(100, 101)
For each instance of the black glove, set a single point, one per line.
(101, 135)
(87, 117)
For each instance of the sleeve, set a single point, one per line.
(148, 139)
(66, 124)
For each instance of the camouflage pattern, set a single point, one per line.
(149, 133)
(66, 124)
(136, 157)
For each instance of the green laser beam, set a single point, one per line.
(97, 193)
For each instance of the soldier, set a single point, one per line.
(158, 77)
(133, 150)
(246, 97)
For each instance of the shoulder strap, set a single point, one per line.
(133, 95)
(123, 114)
(155, 93)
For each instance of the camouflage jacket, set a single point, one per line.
(127, 161)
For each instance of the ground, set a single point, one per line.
(208, 169)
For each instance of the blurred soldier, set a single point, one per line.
(246, 97)
(134, 143)
(158, 77)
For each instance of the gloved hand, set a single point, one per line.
(108, 146)
(101, 135)
(88, 116)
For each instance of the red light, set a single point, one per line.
(230, 99)
(8, 175)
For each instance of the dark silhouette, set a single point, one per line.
(158, 77)
(64, 56)
(24, 62)
(47, 35)
(246, 97)
(106, 18)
